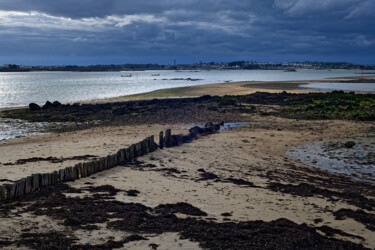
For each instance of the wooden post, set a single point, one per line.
(68, 174)
(127, 154)
(96, 166)
(11, 190)
(139, 148)
(107, 162)
(119, 157)
(88, 168)
(85, 171)
(122, 156)
(144, 147)
(56, 177)
(132, 152)
(50, 178)
(102, 163)
(92, 167)
(28, 187)
(76, 172)
(168, 138)
(44, 180)
(161, 140)
(152, 143)
(35, 182)
(3, 193)
(62, 176)
(114, 160)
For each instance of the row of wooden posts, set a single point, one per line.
(35, 182)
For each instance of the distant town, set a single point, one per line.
(236, 65)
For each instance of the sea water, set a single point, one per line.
(22, 88)
(362, 87)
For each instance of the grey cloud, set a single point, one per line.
(189, 29)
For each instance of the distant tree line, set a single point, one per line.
(211, 65)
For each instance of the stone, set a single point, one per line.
(47, 105)
(34, 107)
(56, 104)
(349, 144)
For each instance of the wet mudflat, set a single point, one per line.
(352, 157)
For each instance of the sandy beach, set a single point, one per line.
(236, 180)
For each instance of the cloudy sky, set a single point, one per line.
(145, 31)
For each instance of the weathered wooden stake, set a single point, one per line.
(76, 172)
(28, 187)
(168, 138)
(11, 190)
(152, 143)
(102, 163)
(131, 152)
(35, 182)
(161, 140)
(44, 180)
(114, 160)
(3, 193)
(20, 187)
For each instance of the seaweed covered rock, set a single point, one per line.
(34, 106)
(47, 105)
(349, 144)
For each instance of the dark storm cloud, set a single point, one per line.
(268, 29)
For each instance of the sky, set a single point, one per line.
(86, 32)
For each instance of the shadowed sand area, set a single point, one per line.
(236, 189)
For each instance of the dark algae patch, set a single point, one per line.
(333, 105)
(137, 220)
(51, 159)
(307, 190)
(359, 215)
(180, 207)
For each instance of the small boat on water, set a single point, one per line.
(290, 70)
(155, 75)
(130, 75)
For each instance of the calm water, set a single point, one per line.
(364, 87)
(22, 88)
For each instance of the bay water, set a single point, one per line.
(22, 88)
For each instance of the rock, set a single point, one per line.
(196, 131)
(208, 125)
(176, 140)
(48, 105)
(56, 104)
(34, 106)
(349, 144)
